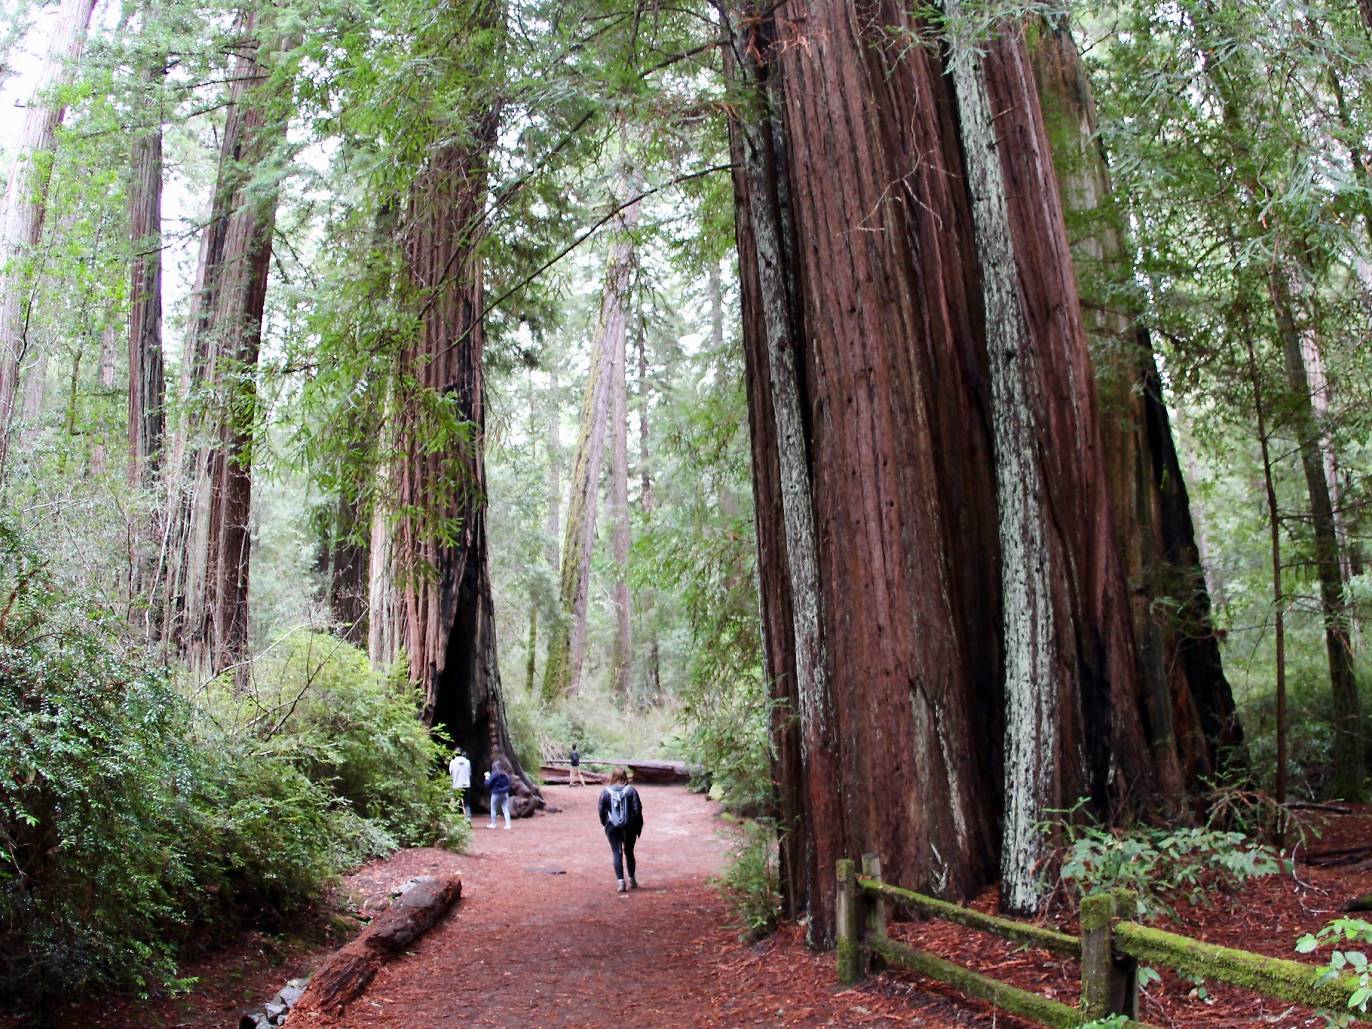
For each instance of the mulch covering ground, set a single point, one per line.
(540, 938)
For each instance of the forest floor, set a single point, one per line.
(540, 938)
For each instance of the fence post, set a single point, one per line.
(846, 910)
(875, 907)
(1108, 983)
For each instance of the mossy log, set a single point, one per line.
(1005, 928)
(1272, 977)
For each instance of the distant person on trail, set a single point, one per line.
(460, 768)
(498, 782)
(575, 778)
(621, 813)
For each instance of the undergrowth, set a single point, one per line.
(1161, 866)
(751, 882)
(135, 815)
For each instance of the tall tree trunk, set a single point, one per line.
(567, 642)
(146, 414)
(652, 667)
(442, 592)
(1232, 79)
(25, 205)
(1278, 592)
(621, 655)
(1190, 700)
(209, 594)
(899, 419)
(1350, 770)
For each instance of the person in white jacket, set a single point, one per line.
(461, 770)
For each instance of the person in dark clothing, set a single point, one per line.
(575, 778)
(621, 813)
(498, 782)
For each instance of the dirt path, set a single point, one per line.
(541, 938)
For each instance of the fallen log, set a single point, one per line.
(1363, 903)
(343, 977)
(651, 773)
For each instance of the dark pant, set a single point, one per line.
(622, 847)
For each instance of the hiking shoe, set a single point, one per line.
(621, 886)
(633, 883)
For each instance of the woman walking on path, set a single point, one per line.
(498, 782)
(621, 813)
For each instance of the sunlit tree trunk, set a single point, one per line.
(567, 643)
(25, 205)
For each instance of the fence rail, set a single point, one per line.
(1110, 948)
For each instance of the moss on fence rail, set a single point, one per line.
(974, 984)
(1006, 928)
(1275, 977)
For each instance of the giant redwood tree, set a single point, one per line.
(946, 610)
(440, 581)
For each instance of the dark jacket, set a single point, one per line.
(634, 827)
(499, 782)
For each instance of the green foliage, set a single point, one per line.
(316, 703)
(751, 882)
(130, 816)
(1345, 960)
(1160, 866)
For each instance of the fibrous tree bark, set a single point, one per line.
(896, 223)
(146, 406)
(621, 653)
(25, 205)
(652, 662)
(1182, 677)
(211, 549)
(567, 642)
(441, 591)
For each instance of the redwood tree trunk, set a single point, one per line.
(442, 589)
(146, 414)
(25, 205)
(621, 654)
(567, 641)
(895, 223)
(1182, 677)
(229, 335)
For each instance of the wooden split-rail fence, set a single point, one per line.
(1110, 948)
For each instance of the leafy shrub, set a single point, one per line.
(751, 882)
(1159, 865)
(1344, 960)
(130, 816)
(96, 796)
(317, 703)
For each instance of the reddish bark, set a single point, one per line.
(146, 414)
(442, 590)
(1179, 652)
(858, 150)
